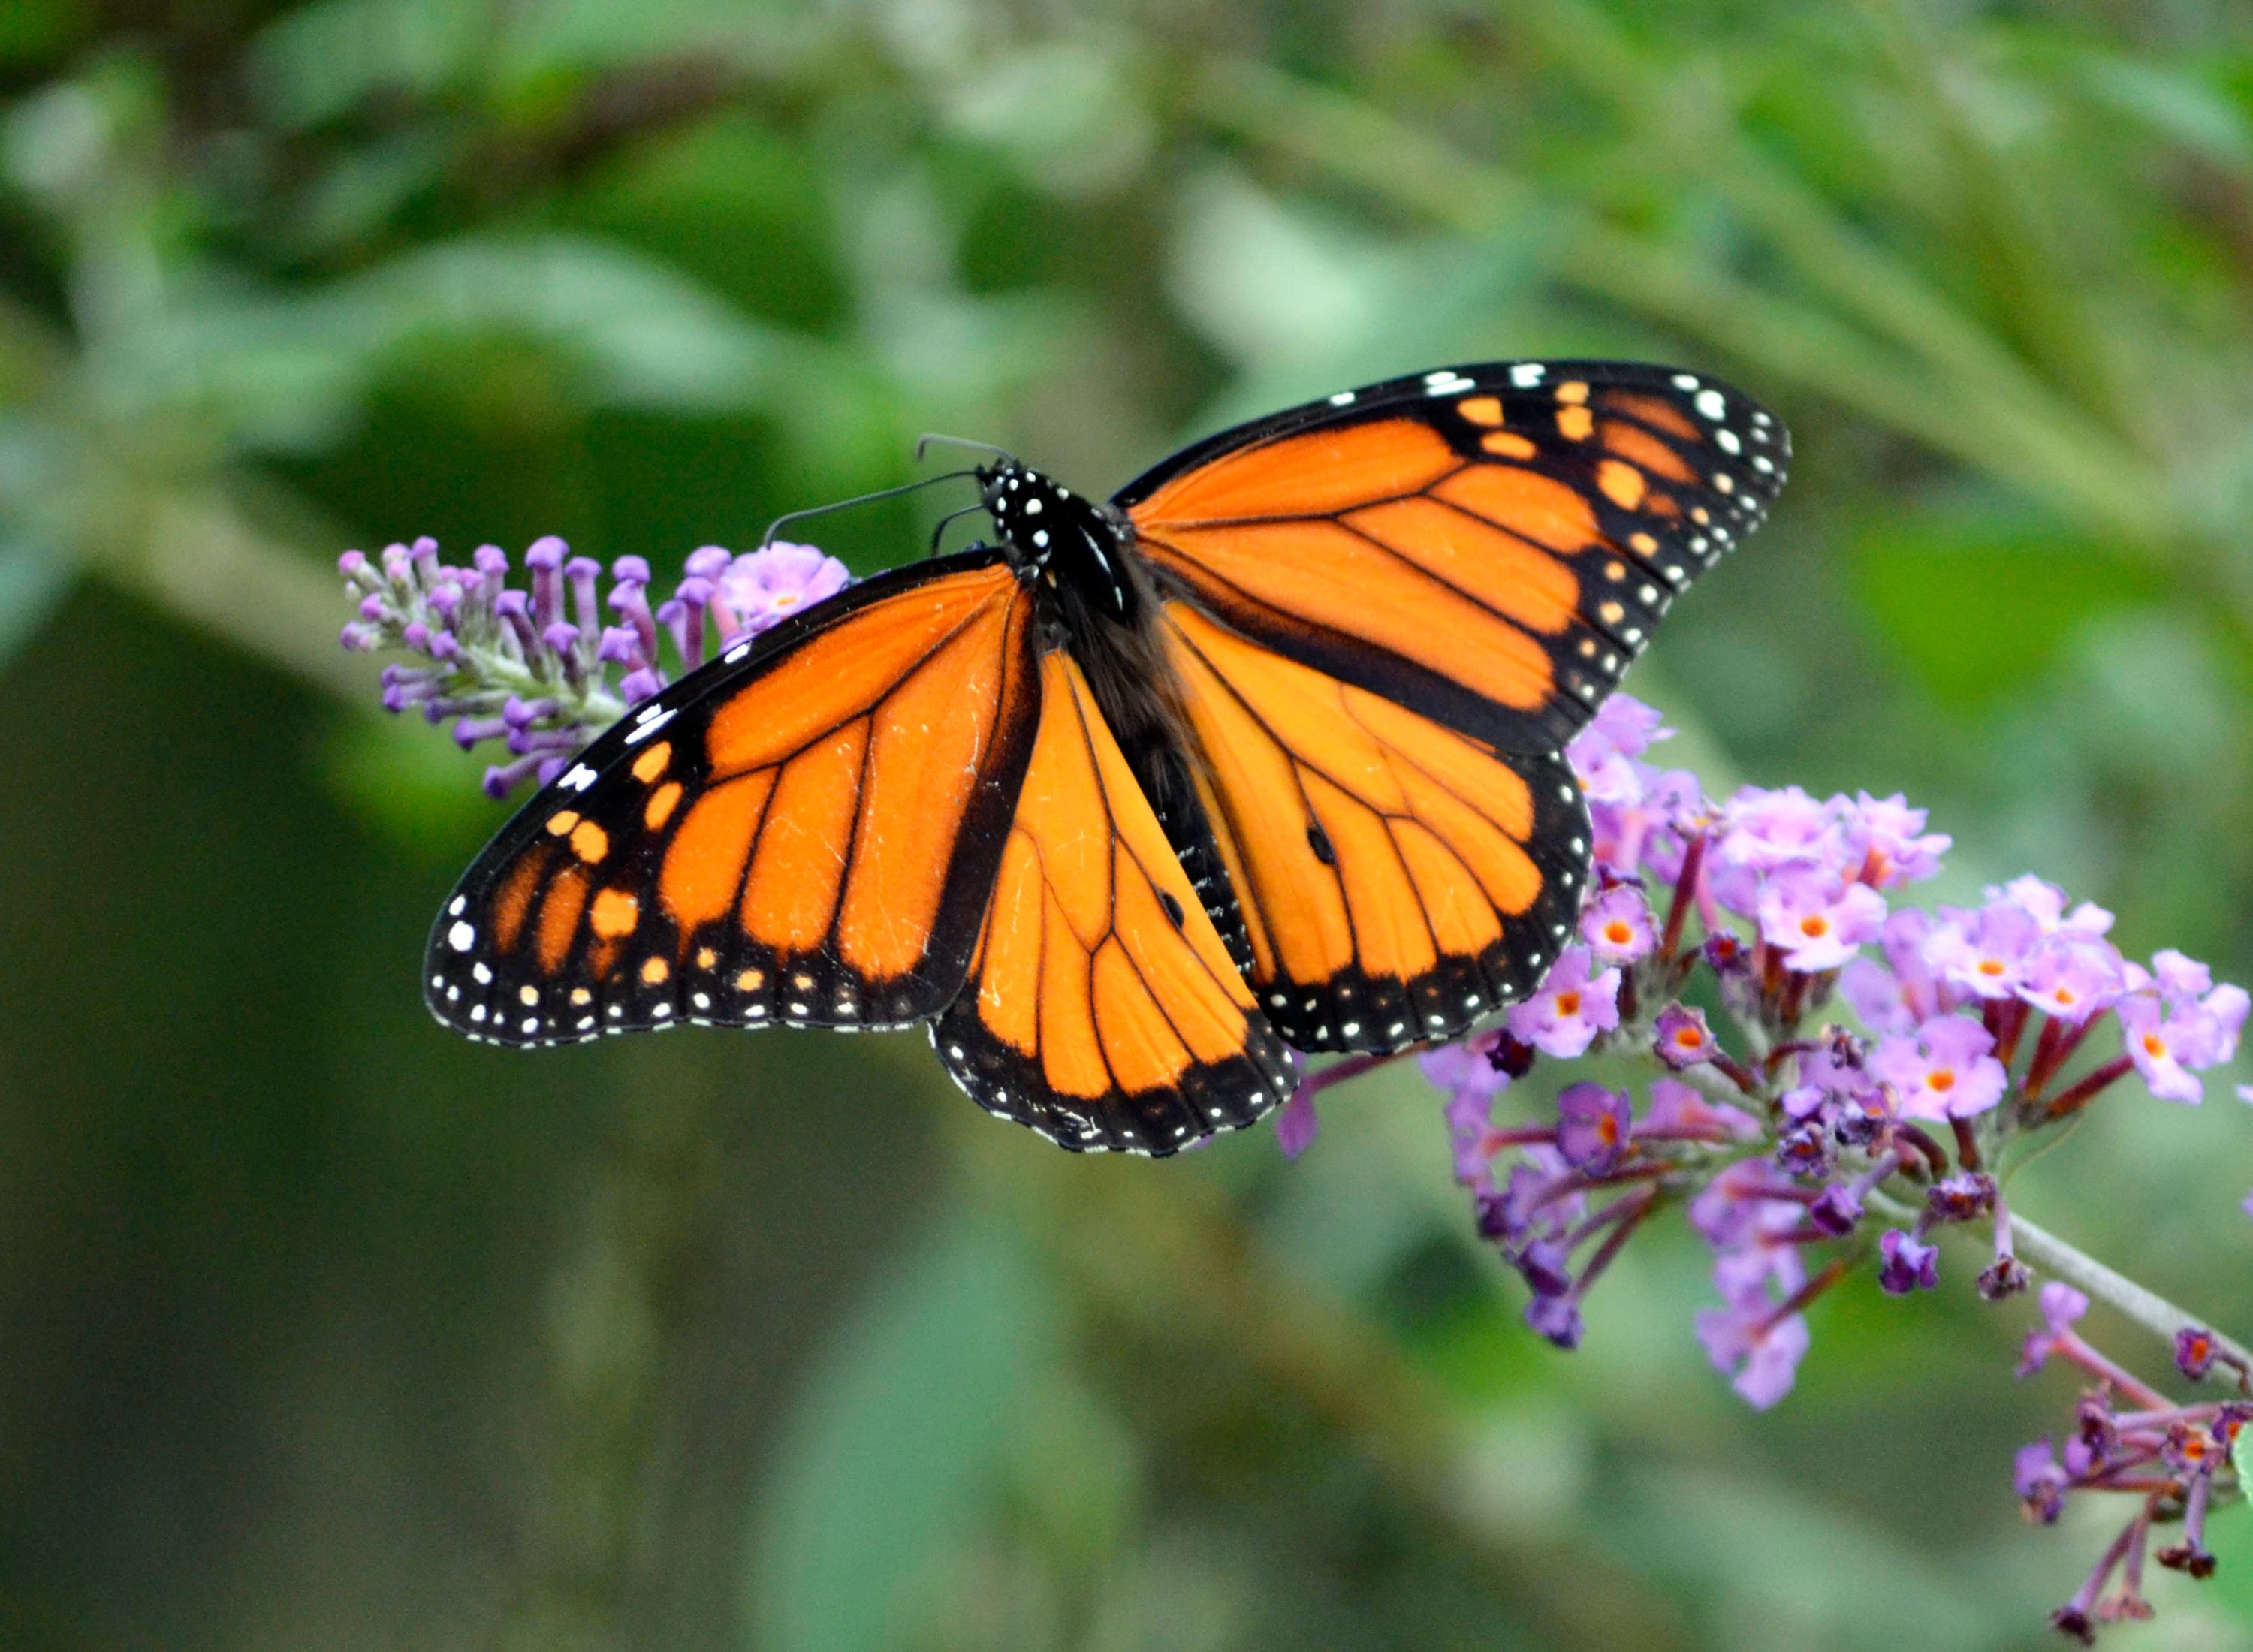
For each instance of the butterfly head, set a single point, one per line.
(1070, 544)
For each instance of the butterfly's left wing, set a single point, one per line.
(1491, 546)
(1103, 1008)
(1388, 611)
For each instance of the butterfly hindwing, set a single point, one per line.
(1103, 1008)
(1491, 546)
(802, 831)
(1399, 879)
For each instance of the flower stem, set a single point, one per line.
(2039, 1246)
(2079, 1095)
(1685, 887)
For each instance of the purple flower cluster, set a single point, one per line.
(2019, 956)
(1798, 1140)
(1714, 936)
(534, 666)
(2171, 1462)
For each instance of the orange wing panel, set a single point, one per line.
(1398, 878)
(1492, 546)
(928, 750)
(704, 864)
(1311, 475)
(1324, 573)
(1531, 505)
(791, 899)
(1106, 1013)
(807, 832)
(815, 689)
(1525, 585)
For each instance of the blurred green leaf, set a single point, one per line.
(283, 374)
(2229, 1532)
(34, 580)
(596, 34)
(1784, 1570)
(320, 61)
(733, 203)
(1062, 112)
(2175, 100)
(31, 28)
(1978, 607)
(409, 782)
(1267, 282)
(898, 1441)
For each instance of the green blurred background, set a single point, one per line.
(321, 1328)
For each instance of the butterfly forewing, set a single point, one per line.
(803, 832)
(1492, 546)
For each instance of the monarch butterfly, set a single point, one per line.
(1263, 754)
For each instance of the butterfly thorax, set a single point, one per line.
(1073, 547)
(1094, 602)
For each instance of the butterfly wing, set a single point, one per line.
(1102, 1007)
(1389, 611)
(1397, 879)
(804, 830)
(1490, 546)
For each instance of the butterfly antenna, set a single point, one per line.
(767, 538)
(930, 437)
(939, 531)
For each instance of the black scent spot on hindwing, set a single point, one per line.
(1319, 840)
(1173, 907)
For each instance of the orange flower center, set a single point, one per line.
(2155, 1047)
(1568, 1003)
(1815, 926)
(1617, 932)
(1941, 1079)
(1991, 966)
